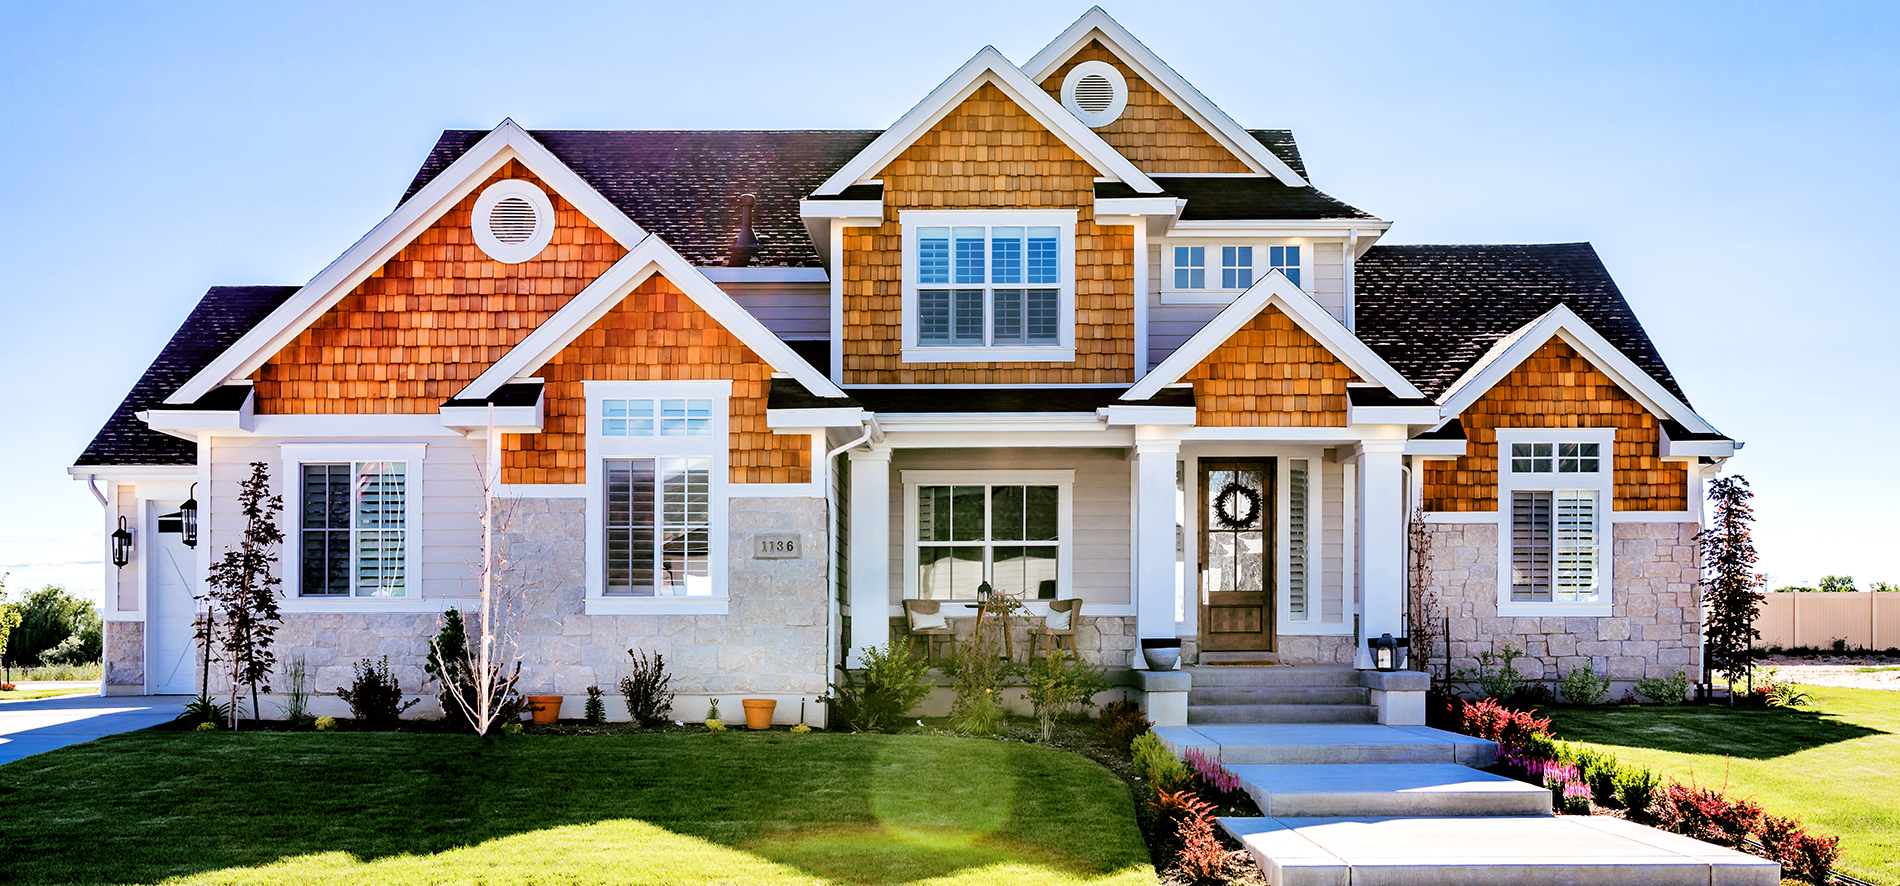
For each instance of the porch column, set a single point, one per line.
(870, 551)
(1154, 536)
(1382, 543)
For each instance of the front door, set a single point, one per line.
(1237, 569)
(170, 610)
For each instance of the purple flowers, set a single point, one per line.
(1212, 773)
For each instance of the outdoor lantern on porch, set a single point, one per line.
(1385, 650)
(121, 545)
(189, 511)
(983, 592)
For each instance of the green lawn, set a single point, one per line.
(1834, 765)
(361, 808)
(29, 691)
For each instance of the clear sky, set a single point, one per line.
(1734, 164)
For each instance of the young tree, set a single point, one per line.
(1423, 607)
(483, 679)
(1731, 589)
(243, 583)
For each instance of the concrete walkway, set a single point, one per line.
(32, 727)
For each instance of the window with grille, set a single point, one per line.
(353, 528)
(1554, 546)
(982, 286)
(1235, 267)
(1560, 458)
(1007, 535)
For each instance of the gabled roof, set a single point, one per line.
(1098, 25)
(684, 185)
(1275, 290)
(221, 317)
(506, 142)
(989, 67)
(1432, 311)
(609, 289)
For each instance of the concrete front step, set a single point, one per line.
(1571, 850)
(1280, 675)
(1281, 713)
(1279, 695)
(1324, 743)
(1431, 789)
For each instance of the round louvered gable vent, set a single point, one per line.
(513, 221)
(1095, 92)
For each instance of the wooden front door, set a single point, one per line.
(1237, 567)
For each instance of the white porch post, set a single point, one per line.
(1382, 543)
(1154, 535)
(870, 550)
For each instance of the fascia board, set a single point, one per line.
(871, 211)
(1274, 289)
(1168, 206)
(1369, 229)
(1098, 24)
(987, 66)
(133, 473)
(505, 142)
(1563, 323)
(1437, 448)
(1392, 415)
(1122, 416)
(652, 256)
(1696, 448)
(508, 419)
(173, 421)
(832, 417)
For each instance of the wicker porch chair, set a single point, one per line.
(1052, 635)
(915, 608)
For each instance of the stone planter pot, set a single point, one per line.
(1161, 654)
(758, 712)
(547, 708)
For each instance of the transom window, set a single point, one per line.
(1236, 265)
(1564, 458)
(353, 529)
(988, 285)
(1554, 546)
(658, 527)
(674, 418)
(1006, 535)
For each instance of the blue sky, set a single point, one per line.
(1733, 164)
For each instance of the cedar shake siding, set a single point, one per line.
(434, 317)
(989, 153)
(656, 333)
(1151, 132)
(1270, 373)
(1557, 388)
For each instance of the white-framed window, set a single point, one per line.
(657, 456)
(347, 524)
(988, 286)
(1012, 529)
(1220, 271)
(1554, 498)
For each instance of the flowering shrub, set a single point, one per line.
(1802, 855)
(6, 687)
(1490, 720)
(1218, 778)
(1575, 799)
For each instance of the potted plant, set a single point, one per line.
(758, 712)
(546, 708)
(1161, 653)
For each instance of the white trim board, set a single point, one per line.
(987, 67)
(1099, 25)
(505, 142)
(1273, 288)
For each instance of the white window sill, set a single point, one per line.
(657, 606)
(367, 604)
(1553, 610)
(1199, 296)
(988, 355)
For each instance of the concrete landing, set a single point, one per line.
(1568, 850)
(1434, 789)
(1328, 743)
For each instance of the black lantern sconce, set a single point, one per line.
(983, 592)
(1385, 650)
(189, 513)
(121, 545)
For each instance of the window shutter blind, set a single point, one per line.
(1576, 544)
(1296, 540)
(1530, 547)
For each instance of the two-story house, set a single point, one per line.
(1065, 328)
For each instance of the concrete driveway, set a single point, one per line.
(32, 727)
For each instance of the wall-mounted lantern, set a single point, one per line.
(121, 545)
(189, 511)
(1385, 650)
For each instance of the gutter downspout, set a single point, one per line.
(872, 434)
(92, 484)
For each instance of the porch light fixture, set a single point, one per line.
(1385, 650)
(189, 511)
(121, 545)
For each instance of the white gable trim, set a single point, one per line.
(1562, 323)
(1099, 25)
(987, 66)
(505, 142)
(609, 289)
(1276, 290)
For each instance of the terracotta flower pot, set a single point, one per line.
(547, 708)
(758, 712)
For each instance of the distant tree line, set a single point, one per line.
(49, 626)
(1838, 584)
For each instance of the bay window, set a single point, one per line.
(988, 286)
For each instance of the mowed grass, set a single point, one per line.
(28, 691)
(1835, 765)
(379, 808)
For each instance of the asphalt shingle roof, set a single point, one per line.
(221, 318)
(1432, 311)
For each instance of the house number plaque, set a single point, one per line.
(776, 546)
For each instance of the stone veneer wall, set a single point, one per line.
(1307, 649)
(125, 657)
(771, 643)
(1654, 629)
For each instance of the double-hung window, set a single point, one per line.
(657, 456)
(1008, 528)
(988, 286)
(1556, 495)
